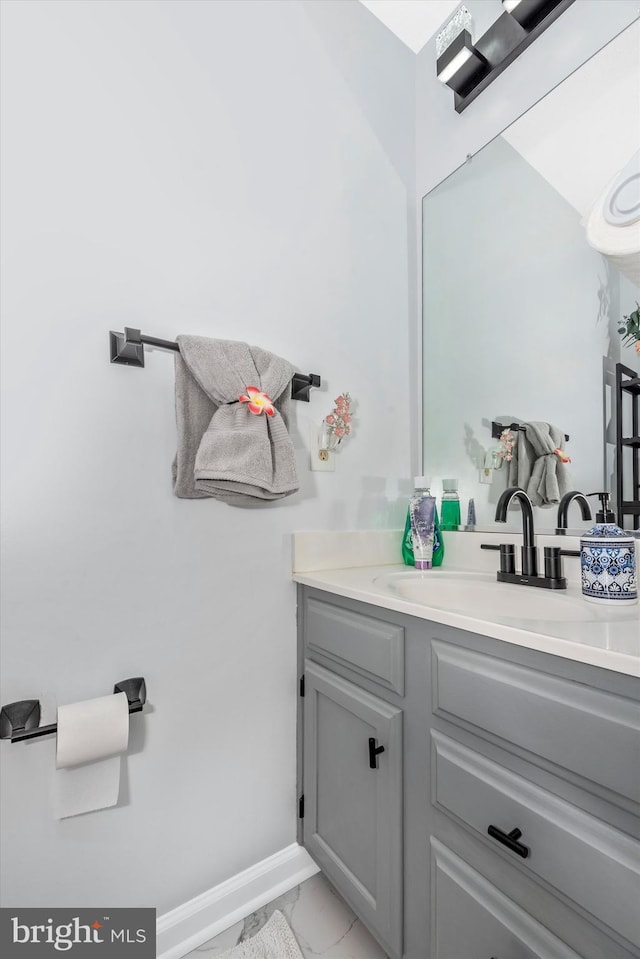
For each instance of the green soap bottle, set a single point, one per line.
(407, 542)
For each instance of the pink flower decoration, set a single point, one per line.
(337, 421)
(507, 442)
(257, 401)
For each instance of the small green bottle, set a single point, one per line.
(407, 542)
(450, 504)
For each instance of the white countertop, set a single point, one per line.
(611, 640)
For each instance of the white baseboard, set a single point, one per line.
(202, 918)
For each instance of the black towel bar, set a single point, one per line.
(497, 428)
(128, 348)
(21, 720)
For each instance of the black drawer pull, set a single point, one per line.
(374, 752)
(509, 840)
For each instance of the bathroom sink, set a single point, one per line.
(481, 596)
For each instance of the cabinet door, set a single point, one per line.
(353, 813)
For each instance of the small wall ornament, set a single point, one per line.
(335, 427)
(337, 424)
(505, 447)
(629, 329)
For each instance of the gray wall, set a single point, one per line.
(238, 170)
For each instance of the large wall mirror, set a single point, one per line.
(521, 310)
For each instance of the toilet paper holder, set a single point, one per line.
(21, 720)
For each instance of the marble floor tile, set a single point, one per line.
(324, 926)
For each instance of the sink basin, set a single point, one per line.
(481, 596)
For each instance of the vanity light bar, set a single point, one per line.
(481, 62)
(529, 13)
(461, 66)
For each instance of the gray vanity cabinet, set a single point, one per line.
(477, 733)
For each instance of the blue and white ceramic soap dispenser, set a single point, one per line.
(608, 561)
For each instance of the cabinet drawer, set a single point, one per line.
(595, 865)
(371, 647)
(555, 718)
(470, 917)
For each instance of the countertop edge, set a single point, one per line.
(336, 582)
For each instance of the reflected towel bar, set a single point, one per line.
(128, 348)
(497, 428)
(21, 720)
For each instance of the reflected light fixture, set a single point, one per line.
(468, 66)
(529, 13)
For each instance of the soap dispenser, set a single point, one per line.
(608, 560)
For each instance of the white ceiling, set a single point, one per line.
(413, 21)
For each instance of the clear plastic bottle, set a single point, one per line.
(422, 489)
(450, 514)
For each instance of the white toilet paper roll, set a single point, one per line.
(92, 730)
(90, 736)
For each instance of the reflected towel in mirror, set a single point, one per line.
(539, 463)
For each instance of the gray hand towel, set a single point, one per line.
(537, 468)
(224, 450)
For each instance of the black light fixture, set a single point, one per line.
(467, 67)
(460, 66)
(529, 13)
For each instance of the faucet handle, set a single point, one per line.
(552, 562)
(507, 558)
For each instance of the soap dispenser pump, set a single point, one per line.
(605, 514)
(608, 560)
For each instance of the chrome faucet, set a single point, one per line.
(528, 575)
(563, 509)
